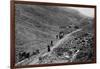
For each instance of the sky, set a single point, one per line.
(86, 11)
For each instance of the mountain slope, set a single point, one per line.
(36, 26)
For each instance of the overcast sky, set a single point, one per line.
(86, 11)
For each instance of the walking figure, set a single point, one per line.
(57, 37)
(48, 48)
(51, 44)
(60, 35)
(27, 55)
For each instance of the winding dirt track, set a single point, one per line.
(34, 60)
(56, 45)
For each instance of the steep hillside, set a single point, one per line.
(36, 25)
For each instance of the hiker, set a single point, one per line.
(51, 44)
(61, 34)
(23, 55)
(48, 48)
(57, 37)
(27, 55)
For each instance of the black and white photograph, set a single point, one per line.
(47, 34)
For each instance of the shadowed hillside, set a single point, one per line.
(36, 26)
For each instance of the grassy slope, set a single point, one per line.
(37, 25)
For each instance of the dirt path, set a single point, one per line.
(56, 45)
(64, 39)
(34, 60)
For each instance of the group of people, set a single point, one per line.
(24, 55)
(59, 36)
(49, 46)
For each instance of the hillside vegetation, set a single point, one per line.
(36, 26)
